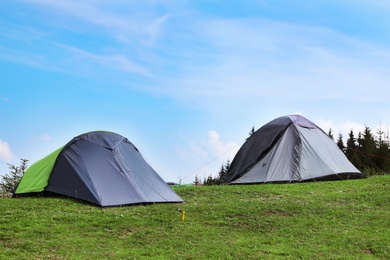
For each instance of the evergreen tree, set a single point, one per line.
(359, 140)
(196, 181)
(219, 180)
(209, 181)
(367, 148)
(382, 159)
(330, 134)
(221, 173)
(227, 165)
(369, 153)
(252, 131)
(351, 150)
(9, 181)
(340, 142)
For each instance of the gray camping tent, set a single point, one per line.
(288, 149)
(100, 167)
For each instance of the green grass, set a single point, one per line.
(328, 220)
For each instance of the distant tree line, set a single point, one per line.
(368, 152)
(211, 180)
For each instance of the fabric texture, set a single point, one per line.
(103, 168)
(290, 149)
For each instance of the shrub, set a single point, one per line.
(10, 181)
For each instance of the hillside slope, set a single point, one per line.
(339, 219)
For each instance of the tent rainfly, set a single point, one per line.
(99, 167)
(290, 149)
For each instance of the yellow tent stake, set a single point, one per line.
(183, 213)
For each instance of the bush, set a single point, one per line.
(10, 181)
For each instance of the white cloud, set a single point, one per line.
(19, 57)
(155, 28)
(43, 137)
(213, 147)
(5, 152)
(219, 148)
(115, 61)
(208, 154)
(123, 38)
(347, 126)
(204, 60)
(378, 4)
(252, 59)
(343, 128)
(132, 23)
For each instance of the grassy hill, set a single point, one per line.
(336, 220)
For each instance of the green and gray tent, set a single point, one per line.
(99, 167)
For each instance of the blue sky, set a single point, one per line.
(186, 80)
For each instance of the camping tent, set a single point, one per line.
(288, 149)
(100, 167)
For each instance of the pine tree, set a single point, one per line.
(351, 151)
(209, 181)
(382, 152)
(330, 134)
(219, 180)
(340, 142)
(227, 165)
(367, 148)
(224, 169)
(196, 181)
(221, 173)
(11, 180)
(252, 131)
